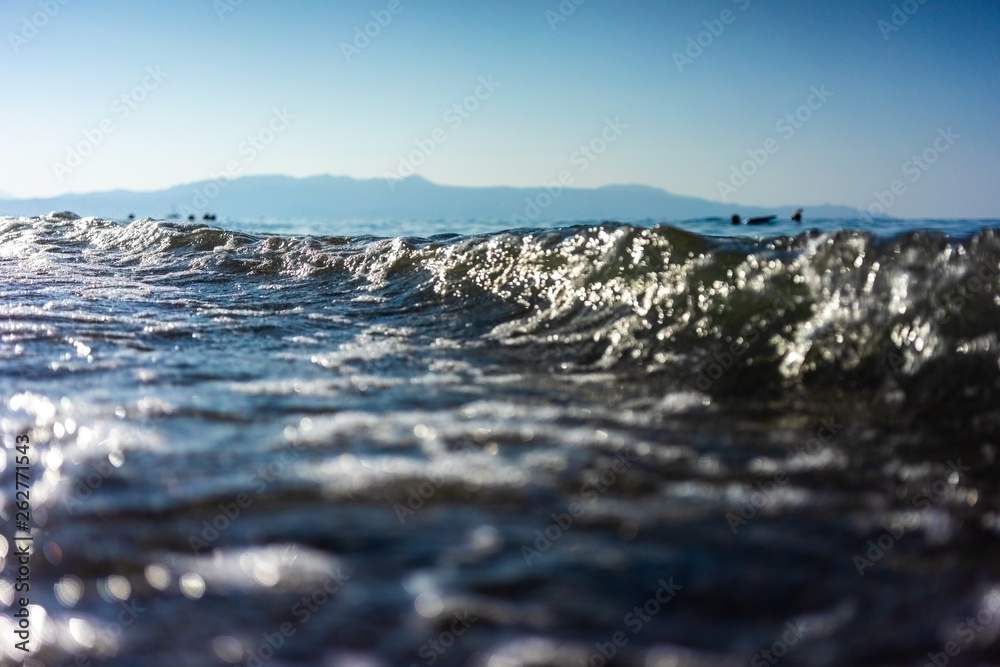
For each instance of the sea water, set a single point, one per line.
(441, 443)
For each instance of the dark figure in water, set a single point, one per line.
(209, 216)
(755, 221)
(190, 218)
(797, 216)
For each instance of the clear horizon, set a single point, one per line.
(889, 105)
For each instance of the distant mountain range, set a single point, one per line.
(340, 197)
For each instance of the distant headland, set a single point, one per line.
(341, 197)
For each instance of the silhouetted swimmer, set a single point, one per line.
(755, 221)
(190, 218)
(797, 216)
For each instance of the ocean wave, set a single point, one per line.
(917, 312)
(536, 427)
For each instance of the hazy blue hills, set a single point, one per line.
(339, 197)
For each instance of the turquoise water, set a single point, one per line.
(419, 227)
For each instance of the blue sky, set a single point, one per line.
(265, 87)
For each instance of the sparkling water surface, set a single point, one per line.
(442, 443)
